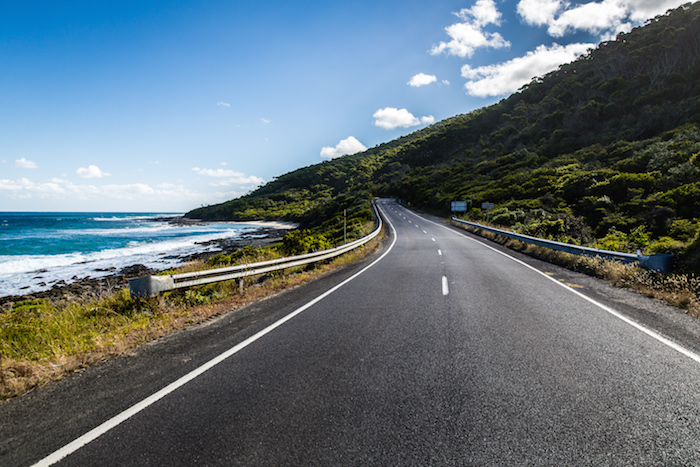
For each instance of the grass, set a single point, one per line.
(679, 290)
(43, 341)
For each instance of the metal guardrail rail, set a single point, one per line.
(153, 285)
(658, 263)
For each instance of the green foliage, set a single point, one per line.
(603, 147)
(299, 242)
(684, 229)
(616, 240)
(243, 255)
(195, 297)
(38, 330)
(33, 308)
(666, 245)
(690, 257)
(121, 303)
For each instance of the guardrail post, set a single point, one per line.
(144, 287)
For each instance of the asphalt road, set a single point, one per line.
(438, 350)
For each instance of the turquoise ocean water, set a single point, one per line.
(40, 249)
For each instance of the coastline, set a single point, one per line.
(267, 233)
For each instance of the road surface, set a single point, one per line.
(438, 350)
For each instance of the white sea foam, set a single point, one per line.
(146, 229)
(22, 274)
(135, 218)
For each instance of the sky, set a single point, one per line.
(169, 105)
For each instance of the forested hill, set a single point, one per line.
(604, 150)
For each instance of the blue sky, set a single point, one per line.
(169, 105)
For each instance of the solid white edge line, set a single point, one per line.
(133, 410)
(653, 334)
(445, 286)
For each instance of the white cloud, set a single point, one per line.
(421, 79)
(605, 17)
(507, 77)
(469, 35)
(641, 10)
(266, 121)
(596, 18)
(539, 12)
(129, 191)
(483, 12)
(223, 104)
(349, 145)
(25, 164)
(53, 189)
(91, 171)
(11, 185)
(390, 118)
(231, 177)
(161, 197)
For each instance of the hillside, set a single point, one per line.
(605, 150)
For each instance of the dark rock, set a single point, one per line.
(137, 270)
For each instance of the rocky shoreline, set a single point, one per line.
(94, 288)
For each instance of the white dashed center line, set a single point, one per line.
(445, 286)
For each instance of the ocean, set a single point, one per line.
(40, 249)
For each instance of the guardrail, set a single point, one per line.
(153, 285)
(658, 263)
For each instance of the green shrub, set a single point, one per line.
(666, 245)
(615, 240)
(299, 242)
(122, 303)
(684, 229)
(507, 217)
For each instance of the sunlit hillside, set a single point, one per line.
(605, 150)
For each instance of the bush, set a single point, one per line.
(666, 245)
(299, 242)
(616, 240)
(506, 217)
(122, 303)
(690, 259)
(684, 229)
(546, 228)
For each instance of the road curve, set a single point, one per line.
(443, 351)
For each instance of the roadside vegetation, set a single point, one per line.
(603, 151)
(681, 290)
(42, 341)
